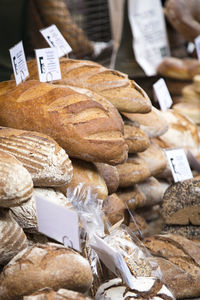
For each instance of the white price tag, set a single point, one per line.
(113, 260)
(55, 39)
(150, 43)
(58, 222)
(178, 164)
(197, 44)
(48, 64)
(19, 65)
(162, 94)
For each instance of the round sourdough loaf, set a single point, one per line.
(82, 122)
(124, 94)
(41, 266)
(16, 185)
(61, 294)
(12, 237)
(46, 161)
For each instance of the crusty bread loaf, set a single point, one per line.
(153, 123)
(188, 231)
(179, 261)
(110, 175)
(114, 208)
(7, 86)
(154, 158)
(177, 68)
(85, 124)
(47, 162)
(115, 86)
(16, 185)
(132, 197)
(12, 237)
(189, 95)
(26, 215)
(136, 139)
(61, 294)
(189, 110)
(41, 266)
(87, 174)
(134, 170)
(181, 204)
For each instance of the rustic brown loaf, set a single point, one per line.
(16, 185)
(61, 294)
(188, 231)
(87, 174)
(41, 266)
(177, 68)
(47, 162)
(132, 197)
(7, 86)
(114, 208)
(184, 17)
(179, 261)
(12, 237)
(136, 139)
(25, 214)
(153, 123)
(134, 170)
(110, 175)
(180, 204)
(85, 124)
(115, 86)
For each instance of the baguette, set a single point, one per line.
(46, 161)
(41, 266)
(16, 185)
(115, 86)
(83, 123)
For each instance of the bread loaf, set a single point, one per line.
(110, 176)
(61, 294)
(16, 185)
(134, 170)
(114, 208)
(41, 266)
(189, 110)
(12, 237)
(87, 174)
(115, 86)
(26, 214)
(180, 204)
(179, 261)
(46, 161)
(85, 124)
(153, 123)
(196, 84)
(132, 197)
(188, 231)
(190, 95)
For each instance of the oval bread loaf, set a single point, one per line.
(47, 162)
(124, 94)
(41, 266)
(16, 185)
(85, 124)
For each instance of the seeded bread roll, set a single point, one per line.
(40, 266)
(87, 174)
(153, 123)
(47, 162)
(83, 123)
(136, 139)
(16, 185)
(110, 176)
(115, 86)
(26, 214)
(134, 170)
(61, 294)
(181, 204)
(179, 261)
(12, 237)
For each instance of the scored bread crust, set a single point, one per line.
(47, 162)
(115, 86)
(16, 185)
(85, 124)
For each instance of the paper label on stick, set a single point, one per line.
(150, 43)
(162, 94)
(55, 39)
(112, 260)
(19, 65)
(178, 164)
(58, 222)
(48, 64)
